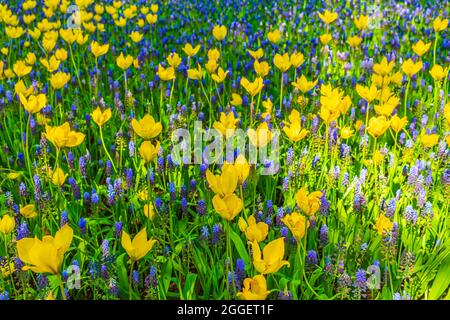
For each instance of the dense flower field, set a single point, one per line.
(114, 121)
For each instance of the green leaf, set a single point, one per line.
(163, 285)
(442, 281)
(189, 287)
(240, 247)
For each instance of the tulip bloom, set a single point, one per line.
(383, 224)
(219, 32)
(124, 62)
(225, 183)
(377, 126)
(99, 50)
(254, 289)
(59, 177)
(308, 203)
(139, 247)
(34, 103)
(191, 51)
(282, 62)
(226, 124)
(59, 80)
(166, 74)
(228, 206)
(7, 224)
(253, 231)
(293, 128)
(101, 117)
(297, 224)
(146, 128)
(271, 259)
(46, 255)
(240, 166)
(62, 136)
(261, 136)
(428, 140)
(29, 211)
(148, 151)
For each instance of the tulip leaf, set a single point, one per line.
(189, 287)
(163, 285)
(442, 281)
(240, 247)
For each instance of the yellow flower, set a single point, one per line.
(274, 36)
(213, 54)
(325, 38)
(195, 74)
(51, 64)
(136, 36)
(228, 206)
(191, 51)
(101, 117)
(397, 123)
(225, 183)
(61, 54)
(271, 259)
(268, 105)
(261, 68)
(219, 32)
(420, 48)
(124, 62)
(99, 50)
(146, 128)
(383, 224)
(240, 166)
(328, 115)
(46, 255)
(34, 103)
(166, 74)
(308, 203)
(220, 76)
(174, 60)
(447, 112)
(297, 59)
(362, 22)
(59, 177)
(293, 128)
(226, 123)
(59, 80)
(14, 32)
(139, 247)
(282, 62)
(428, 140)
(410, 67)
(384, 67)
(297, 224)
(253, 231)
(346, 132)
(303, 84)
(368, 94)
(438, 73)
(154, 7)
(261, 136)
(236, 100)
(252, 88)
(148, 151)
(21, 69)
(258, 54)
(29, 211)
(149, 212)
(328, 17)
(211, 66)
(62, 136)
(254, 288)
(30, 58)
(7, 224)
(440, 24)
(387, 107)
(151, 18)
(377, 126)
(354, 41)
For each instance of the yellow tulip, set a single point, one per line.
(440, 24)
(346, 132)
(362, 22)
(226, 124)
(191, 51)
(447, 112)
(252, 88)
(34, 103)
(328, 17)
(148, 151)
(397, 123)
(271, 259)
(151, 18)
(211, 66)
(297, 224)
(101, 117)
(21, 69)
(14, 32)
(240, 166)
(62, 136)
(420, 48)
(384, 67)
(274, 36)
(59, 80)
(136, 36)
(303, 84)
(438, 73)
(59, 177)
(410, 67)
(7, 224)
(293, 128)
(29, 211)
(253, 231)
(166, 74)
(146, 128)
(261, 136)
(383, 224)
(124, 62)
(325, 38)
(99, 50)
(257, 54)
(195, 74)
(46, 255)
(282, 62)
(236, 100)
(219, 32)
(254, 289)
(377, 126)
(428, 140)
(149, 212)
(297, 59)
(354, 41)
(228, 206)
(220, 76)
(51, 64)
(225, 183)
(268, 105)
(213, 54)
(308, 203)
(61, 54)
(139, 247)
(261, 68)
(30, 58)
(368, 94)
(174, 60)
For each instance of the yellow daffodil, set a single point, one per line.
(271, 259)
(254, 289)
(46, 255)
(139, 247)
(297, 224)
(146, 128)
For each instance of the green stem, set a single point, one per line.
(106, 150)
